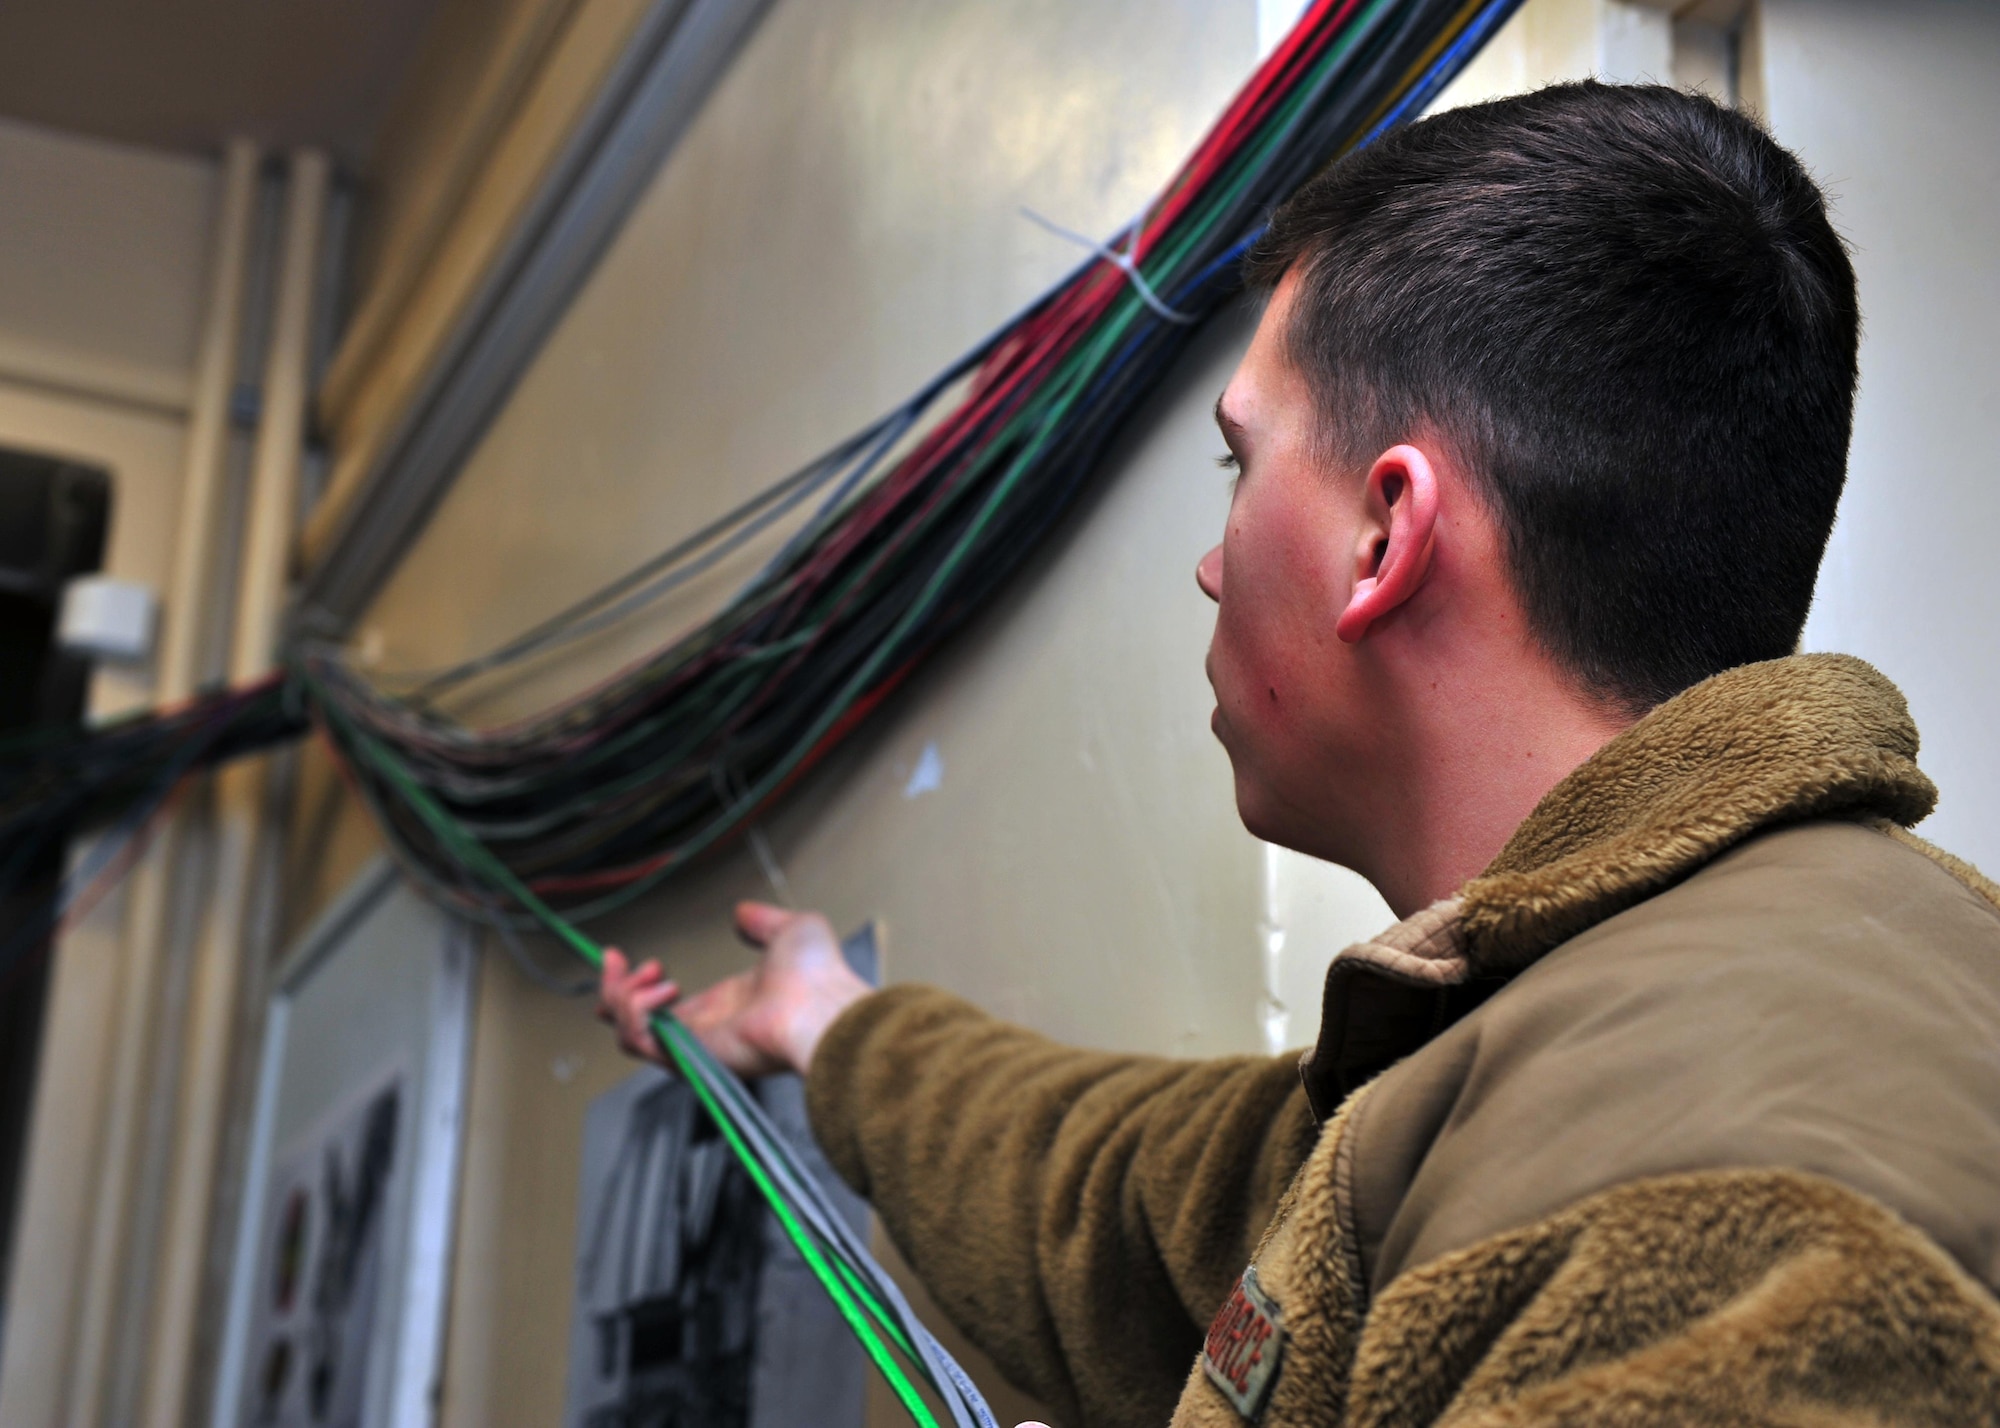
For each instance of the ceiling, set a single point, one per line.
(185, 74)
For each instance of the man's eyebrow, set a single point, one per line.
(1229, 424)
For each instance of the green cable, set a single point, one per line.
(670, 1033)
(677, 1041)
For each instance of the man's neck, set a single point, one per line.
(1480, 765)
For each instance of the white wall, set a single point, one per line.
(1896, 109)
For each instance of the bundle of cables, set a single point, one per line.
(904, 531)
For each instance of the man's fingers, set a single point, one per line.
(615, 968)
(628, 1000)
(647, 1000)
(761, 1020)
(619, 972)
(636, 1012)
(705, 1007)
(635, 1034)
(759, 922)
(619, 977)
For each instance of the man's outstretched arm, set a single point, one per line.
(1079, 1215)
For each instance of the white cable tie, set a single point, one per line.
(768, 861)
(731, 792)
(1117, 259)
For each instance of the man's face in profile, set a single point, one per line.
(1286, 706)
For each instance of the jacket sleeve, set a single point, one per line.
(1080, 1216)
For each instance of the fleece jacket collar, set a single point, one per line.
(1808, 737)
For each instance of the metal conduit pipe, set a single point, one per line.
(239, 805)
(150, 909)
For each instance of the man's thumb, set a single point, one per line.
(760, 922)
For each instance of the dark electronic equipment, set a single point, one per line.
(53, 515)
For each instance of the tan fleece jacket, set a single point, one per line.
(1691, 1114)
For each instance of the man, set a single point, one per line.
(1675, 1097)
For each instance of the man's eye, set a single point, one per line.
(1227, 461)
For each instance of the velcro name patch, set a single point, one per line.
(1244, 1346)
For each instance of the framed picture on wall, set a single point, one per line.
(337, 1301)
(313, 1305)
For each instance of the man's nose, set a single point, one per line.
(1208, 574)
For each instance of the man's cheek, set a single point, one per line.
(1255, 663)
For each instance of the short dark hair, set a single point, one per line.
(1623, 310)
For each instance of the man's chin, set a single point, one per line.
(1263, 815)
(1254, 809)
(1273, 820)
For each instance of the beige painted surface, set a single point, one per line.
(188, 74)
(840, 222)
(102, 257)
(477, 62)
(398, 335)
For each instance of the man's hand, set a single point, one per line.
(767, 1019)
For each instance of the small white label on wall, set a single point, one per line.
(107, 619)
(928, 775)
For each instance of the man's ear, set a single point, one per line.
(1397, 539)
